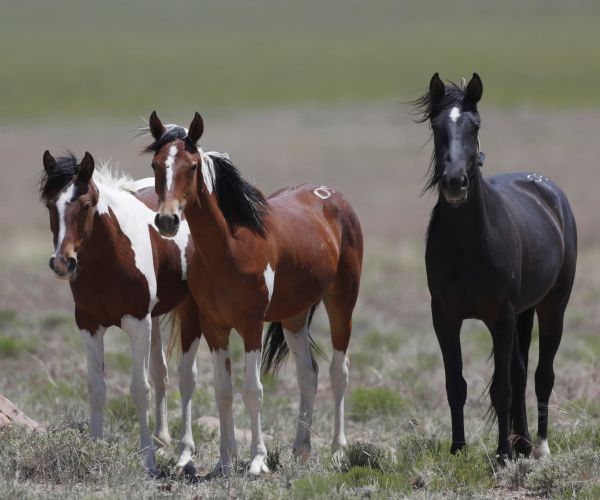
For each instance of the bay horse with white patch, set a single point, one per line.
(122, 273)
(499, 249)
(257, 260)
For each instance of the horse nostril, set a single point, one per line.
(51, 263)
(445, 181)
(157, 220)
(465, 182)
(71, 264)
(175, 221)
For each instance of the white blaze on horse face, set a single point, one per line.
(454, 114)
(269, 275)
(61, 204)
(169, 165)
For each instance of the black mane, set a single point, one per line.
(51, 183)
(242, 204)
(170, 135)
(426, 109)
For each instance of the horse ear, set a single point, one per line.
(86, 168)
(437, 89)
(474, 89)
(196, 128)
(49, 161)
(157, 129)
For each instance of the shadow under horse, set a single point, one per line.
(499, 249)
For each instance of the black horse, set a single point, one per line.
(499, 249)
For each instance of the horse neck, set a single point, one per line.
(208, 227)
(469, 220)
(100, 247)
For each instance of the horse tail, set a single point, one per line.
(275, 349)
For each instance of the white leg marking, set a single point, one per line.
(94, 349)
(160, 378)
(253, 397)
(224, 399)
(269, 275)
(61, 204)
(338, 372)
(541, 449)
(170, 161)
(188, 373)
(454, 114)
(140, 334)
(299, 345)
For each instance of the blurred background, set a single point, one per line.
(313, 91)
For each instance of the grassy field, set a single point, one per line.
(299, 91)
(398, 422)
(75, 58)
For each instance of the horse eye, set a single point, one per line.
(87, 204)
(193, 167)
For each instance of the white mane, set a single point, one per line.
(110, 177)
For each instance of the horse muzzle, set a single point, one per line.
(455, 188)
(167, 224)
(63, 267)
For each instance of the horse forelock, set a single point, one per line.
(59, 177)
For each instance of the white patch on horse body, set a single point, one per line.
(169, 164)
(61, 203)
(269, 275)
(181, 239)
(252, 393)
(454, 114)
(144, 183)
(323, 192)
(135, 219)
(541, 449)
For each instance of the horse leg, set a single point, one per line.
(94, 350)
(219, 348)
(296, 337)
(159, 378)
(522, 442)
(187, 372)
(503, 334)
(447, 330)
(140, 332)
(550, 316)
(252, 393)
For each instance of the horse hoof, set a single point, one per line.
(188, 469)
(258, 465)
(503, 459)
(301, 453)
(522, 447)
(541, 449)
(456, 447)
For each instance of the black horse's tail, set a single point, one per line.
(275, 349)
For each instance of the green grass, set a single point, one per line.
(366, 403)
(127, 58)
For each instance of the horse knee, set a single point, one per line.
(253, 396)
(338, 371)
(140, 393)
(544, 382)
(457, 392)
(500, 394)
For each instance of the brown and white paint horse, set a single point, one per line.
(122, 273)
(260, 260)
